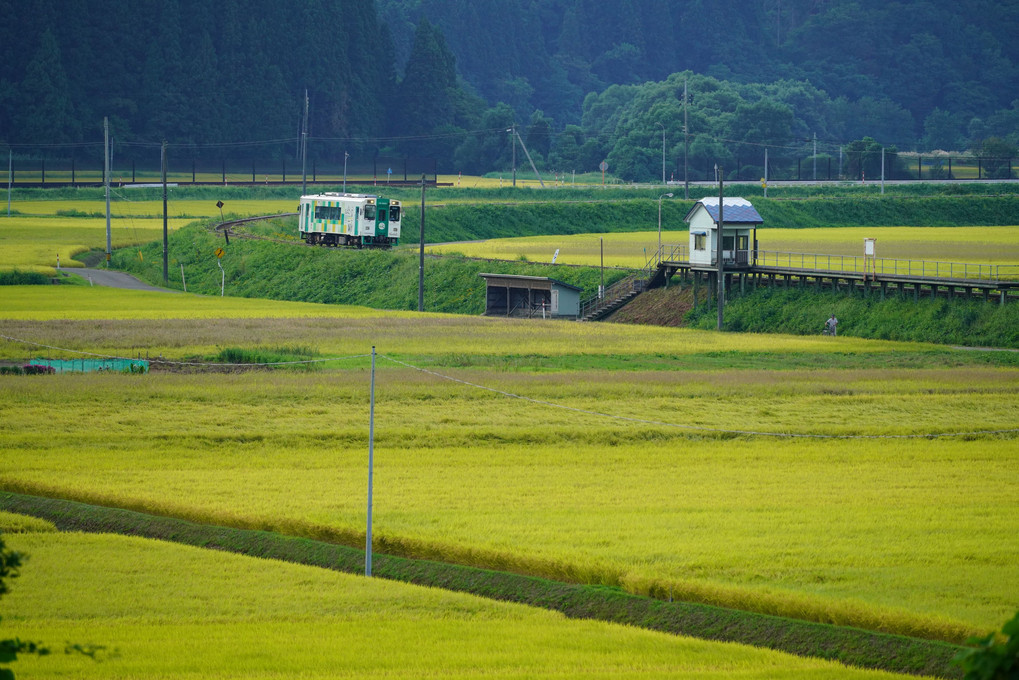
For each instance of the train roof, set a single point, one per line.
(332, 195)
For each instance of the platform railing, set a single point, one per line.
(858, 264)
(886, 266)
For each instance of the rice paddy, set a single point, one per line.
(900, 535)
(199, 613)
(634, 457)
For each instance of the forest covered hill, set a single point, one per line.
(583, 80)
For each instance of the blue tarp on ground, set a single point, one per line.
(88, 365)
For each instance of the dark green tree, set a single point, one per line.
(943, 130)
(996, 156)
(45, 111)
(427, 91)
(993, 658)
(539, 136)
(863, 159)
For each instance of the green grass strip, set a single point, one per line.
(851, 646)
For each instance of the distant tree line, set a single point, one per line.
(582, 81)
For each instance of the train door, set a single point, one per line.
(382, 218)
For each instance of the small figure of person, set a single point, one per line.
(830, 325)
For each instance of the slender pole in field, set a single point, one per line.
(720, 284)
(815, 156)
(686, 145)
(371, 462)
(421, 254)
(106, 183)
(10, 178)
(166, 243)
(660, 224)
(513, 143)
(663, 151)
(882, 170)
(304, 148)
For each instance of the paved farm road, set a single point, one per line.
(112, 279)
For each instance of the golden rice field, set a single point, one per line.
(32, 239)
(196, 613)
(34, 243)
(979, 245)
(176, 208)
(908, 535)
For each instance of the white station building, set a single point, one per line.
(739, 232)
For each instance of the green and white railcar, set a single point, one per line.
(358, 220)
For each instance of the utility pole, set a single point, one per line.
(10, 177)
(166, 243)
(663, 152)
(686, 145)
(421, 255)
(882, 171)
(765, 172)
(106, 183)
(601, 286)
(371, 465)
(526, 153)
(720, 284)
(304, 148)
(513, 143)
(345, 157)
(815, 156)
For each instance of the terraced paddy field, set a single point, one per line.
(841, 480)
(153, 609)
(978, 245)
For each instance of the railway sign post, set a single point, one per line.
(603, 166)
(219, 204)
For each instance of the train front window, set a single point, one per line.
(394, 213)
(369, 213)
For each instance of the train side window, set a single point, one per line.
(394, 213)
(320, 212)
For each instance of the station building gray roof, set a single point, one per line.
(521, 281)
(736, 210)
